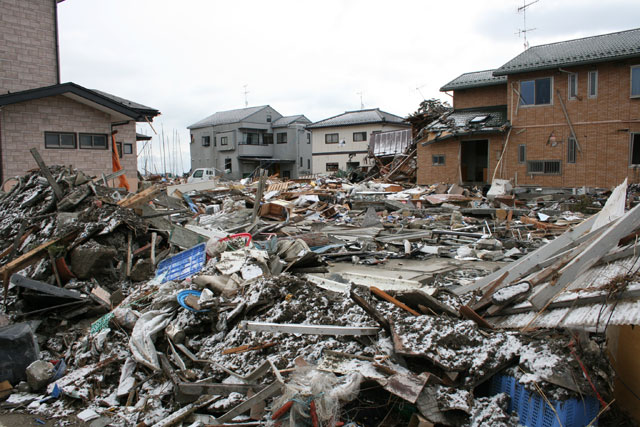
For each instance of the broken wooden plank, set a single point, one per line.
(382, 294)
(296, 328)
(47, 174)
(370, 310)
(141, 197)
(245, 348)
(468, 313)
(271, 390)
(589, 257)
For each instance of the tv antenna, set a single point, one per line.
(361, 103)
(420, 92)
(246, 92)
(524, 29)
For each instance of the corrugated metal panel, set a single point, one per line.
(391, 143)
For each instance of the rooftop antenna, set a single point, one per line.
(524, 29)
(361, 103)
(420, 92)
(246, 92)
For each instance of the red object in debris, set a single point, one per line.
(247, 236)
(314, 414)
(98, 203)
(63, 270)
(280, 412)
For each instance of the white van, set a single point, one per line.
(201, 174)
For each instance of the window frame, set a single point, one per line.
(224, 140)
(301, 161)
(632, 136)
(230, 161)
(361, 134)
(129, 146)
(308, 137)
(534, 104)
(632, 68)
(544, 167)
(572, 148)
(206, 140)
(119, 145)
(269, 138)
(327, 135)
(92, 135)
(589, 84)
(573, 76)
(59, 146)
(327, 169)
(309, 164)
(522, 153)
(438, 160)
(281, 138)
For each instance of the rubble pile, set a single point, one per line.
(309, 302)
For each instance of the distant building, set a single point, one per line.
(564, 114)
(67, 123)
(237, 142)
(341, 142)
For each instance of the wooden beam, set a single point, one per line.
(382, 294)
(296, 328)
(566, 116)
(47, 174)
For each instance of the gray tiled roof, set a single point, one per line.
(606, 47)
(458, 122)
(474, 79)
(286, 121)
(123, 101)
(373, 115)
(226, 117)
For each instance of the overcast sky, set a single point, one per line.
(191, 58)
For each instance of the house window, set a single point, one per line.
(535, 92)
(206, 141)
(286, 174)
(59, 140)
(309, 164)
(592, 84)
(251, 138)
(573, 86)
(93, 141)
(308, 138)
(224, 140)
(331, 167)
(227, 165)
(301, 162)
(543, 167)
(359, 136)
(331, 138)
(571, 149)
(522, 153)
(635, 149)
(281, 137)
(119, 147)
(268, 118)
(267, 138)
(635, 81)
(127, 149)
(437, 160)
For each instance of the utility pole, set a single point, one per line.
(246, 92)
(524, 30)
(361, 103)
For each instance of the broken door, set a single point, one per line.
(474, 161)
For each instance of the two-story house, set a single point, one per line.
(342, 142)
(238, 142)
(67, 123)
(572, 117)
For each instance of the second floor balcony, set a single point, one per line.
(255, 150)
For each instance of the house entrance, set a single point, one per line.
(474, 162)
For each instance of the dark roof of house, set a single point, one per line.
(286, 121)
(461, 122)
(606, 47)
(227, 117)
(474, 79)
(359, 117)
(135, 111)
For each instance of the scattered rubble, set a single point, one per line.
(310, 302)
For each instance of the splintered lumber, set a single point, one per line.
(47, 174)
(589, 257)
(382, 294)
(517, 269)
(140, 198)
(371, 311)
(296, 328)
(245, 348)
(468, 313)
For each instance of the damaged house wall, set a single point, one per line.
(603, 125)
(480, 96)
(29, 54)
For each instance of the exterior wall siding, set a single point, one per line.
(480, 97)
(24, 125)
(28, 45)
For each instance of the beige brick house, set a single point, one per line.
(563, 114)
(67, 123)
